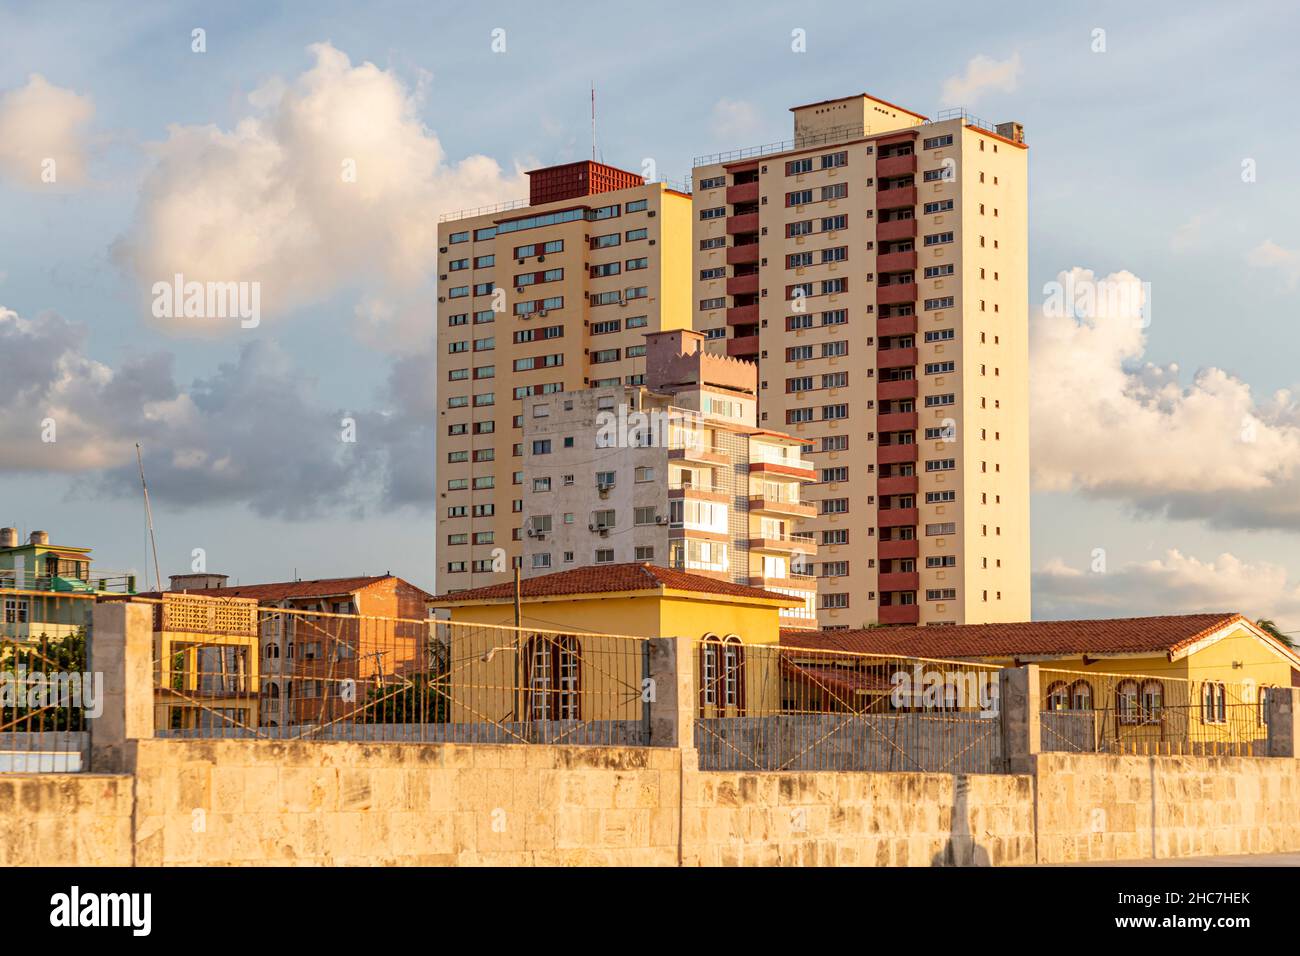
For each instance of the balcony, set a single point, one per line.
(900, 614)
(744, 347)
(896, 325)
(112, 582)
(895, 455)
(896, 198)
(743, 285)
(742, 193)
(698, 492)
(899, 581)
(780, 506)
(898, 485)
(896, 262)
(743, 315)
(891, 166)
(893, 550)
(804, 582)
(897, 518)
(898, 229)
(698, 454)
(896, 358)
(894, 294)
(892, 391)
(784, 544)
(746, 223)
(782, 467)
(896, 422)
(743, 255)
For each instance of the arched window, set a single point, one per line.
(553, 677)
(1214, 701)
(1126, 701)
(1081, 695)
(1261, 702)
(272, 650)
(1153, 701)
(1058, 697)
(722, 672)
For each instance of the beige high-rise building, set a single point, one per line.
(875, 267)
(538, 298)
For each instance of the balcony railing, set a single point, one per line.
(114, 582)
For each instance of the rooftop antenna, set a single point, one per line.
(593, 121)
(148, 514)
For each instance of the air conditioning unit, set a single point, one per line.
(541, 536)
(442, 248)
(443, 277)
(591, 526)
(541, 258)
(519, 289)
(661, 519)
(530, 532)
(603, 491)
(542, 313)
(604, 532)
(520, 261)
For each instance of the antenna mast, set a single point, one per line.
(593, 121)
(148, 514)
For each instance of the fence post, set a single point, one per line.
(1021, 731)
(672, 706)
(121, 655)
(1283, 721)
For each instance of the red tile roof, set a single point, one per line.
(1125, 635)
(322, 587)
(607, 578)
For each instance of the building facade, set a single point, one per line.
(536, 299)
(672, 472)
(875, 268)
(47, 590)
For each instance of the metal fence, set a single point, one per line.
(45, 689)
(1086, 712)
(229, 668)
(782, 708)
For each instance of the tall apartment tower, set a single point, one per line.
(876, 269)
(537, 298)
(674, 472)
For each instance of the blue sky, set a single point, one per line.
(1136, 167)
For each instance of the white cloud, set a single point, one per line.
(39, 123)
(1175, 583)
(982, 75)
(1269, 255)
(270, 200)
(1105, 423)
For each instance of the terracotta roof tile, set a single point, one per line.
(606, 578)
(1125, 635)
(279, 591)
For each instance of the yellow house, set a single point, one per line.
(1168, 683)
(581, 655)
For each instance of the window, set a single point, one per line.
(797, 166)
(835, 380)
(941, 464)
(799, 353)
(941, 561)
(835, 160)
(835, 349)
(835, 474)
(603, 519)
(938, 401)
(606, 269)
(938, 238)
(941, 594)
(835, 443)
(644, 515)
(939, 497)
(1153, 699)
(1126, 702)
(798, 260)
(604, 356)
(1214, 700)
(16, 611)
(541, 484)
(604, 556)
(604, 328)
(834, 569)
(1081, 695)
(943, 302)
(938, 272)
(834, 506)
(940, 368)
(835, 191)
(552, 678)
(836, 536)
(940, 335)
(716, 212)
(713, 182)
(644, 553)
(803, 383)
(838, 601)
(834, 223)
(798, 198)
(541, 560)
(632, 235)
(719, 272)
(941, 528)
(636, 205)
(835, 317)
(937, 142)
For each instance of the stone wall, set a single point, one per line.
(1098, 807)
(65, 819)
(246, 802)
(858, 819)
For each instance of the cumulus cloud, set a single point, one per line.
(1269, 255)
(1108, 424)
(983, 74)
(43, 124)
(330, 180)
(254, 432)
(1174, 583)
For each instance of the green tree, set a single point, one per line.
(1265, 624)
(43, 655)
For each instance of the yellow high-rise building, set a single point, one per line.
(876, 269)
(540, 298)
